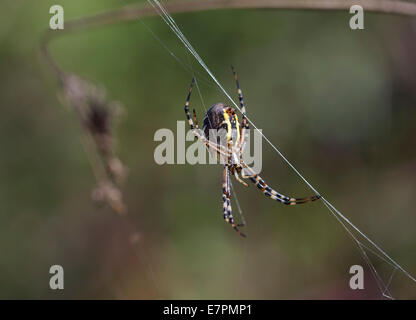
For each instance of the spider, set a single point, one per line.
(220, 116)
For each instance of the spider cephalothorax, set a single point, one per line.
(222, 117)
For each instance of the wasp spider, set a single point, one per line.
(221, 116)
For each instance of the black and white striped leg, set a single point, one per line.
(188, 115)
(273, 194)
(226, 198)
(240, 94)
(195, 119)
(244, 123)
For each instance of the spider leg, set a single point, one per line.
(196, 131)
(226, 199)
(244, 123)
(237, 177)
(196, 122)
(195, 119)
(245, 176)
(188, 115)
(224, 194)
(273, 194)
(240, 96)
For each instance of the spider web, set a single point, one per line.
(364, 244)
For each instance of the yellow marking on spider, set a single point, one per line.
(228, 122)
(237, 127)
(229, 127)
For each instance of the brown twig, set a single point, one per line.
(134, 12)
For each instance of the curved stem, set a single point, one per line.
(134, 12)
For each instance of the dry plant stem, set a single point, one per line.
(133, 12)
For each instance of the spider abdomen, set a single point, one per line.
(214, 118)
(220, 116)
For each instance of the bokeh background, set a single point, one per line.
(340, 104)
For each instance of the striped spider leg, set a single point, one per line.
(226, 201)
(244, 123)
(273, 194)
(256, 179)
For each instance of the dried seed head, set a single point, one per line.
(107, 192)
(97, 116)
(98, 120)
(117, 170)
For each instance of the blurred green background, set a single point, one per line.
(340, 104)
